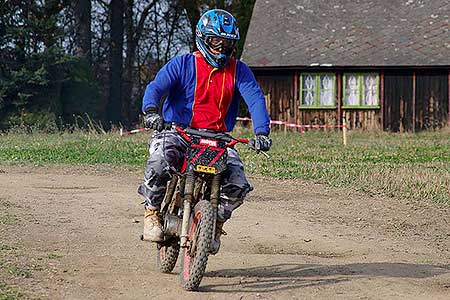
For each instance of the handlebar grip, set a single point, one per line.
(252, 143)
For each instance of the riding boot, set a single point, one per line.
(153, 231)
(215, 245)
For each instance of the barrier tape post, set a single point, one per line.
(344, 131)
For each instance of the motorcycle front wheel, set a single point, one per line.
(195, 257)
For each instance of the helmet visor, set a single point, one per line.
(220, 45)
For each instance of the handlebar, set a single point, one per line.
(231, 141)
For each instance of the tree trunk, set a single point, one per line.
(82, 10)
(128, 75)
(114, 106)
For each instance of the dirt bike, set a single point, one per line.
(189, 208)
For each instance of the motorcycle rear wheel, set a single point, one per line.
(195, 257)
(166, 256)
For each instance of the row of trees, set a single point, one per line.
(61, 59)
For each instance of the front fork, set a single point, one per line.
(188, 196)
(187, 204)
(215, 196)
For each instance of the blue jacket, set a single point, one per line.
(185, 80)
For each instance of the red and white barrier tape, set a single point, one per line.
(132, 131)
(291, 125)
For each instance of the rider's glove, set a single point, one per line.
(263, 142)
(153, 120)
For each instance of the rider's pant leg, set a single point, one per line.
(235, 186)
(166, 150)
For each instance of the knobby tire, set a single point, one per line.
(193, 265)
(166, 257)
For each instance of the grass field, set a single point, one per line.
(411, 166)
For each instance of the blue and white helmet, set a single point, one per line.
(216, 36)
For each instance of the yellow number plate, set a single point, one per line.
(205, 169)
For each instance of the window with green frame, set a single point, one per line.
(317, 90)
(361, 90)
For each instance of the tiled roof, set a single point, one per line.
(286, 33)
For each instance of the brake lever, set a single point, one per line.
(265, 153)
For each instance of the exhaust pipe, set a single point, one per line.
(172, 225)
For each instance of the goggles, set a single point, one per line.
(220, 44)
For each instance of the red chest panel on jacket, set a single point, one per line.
(213, 94)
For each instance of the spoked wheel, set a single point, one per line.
(167, 255)
(195, 257)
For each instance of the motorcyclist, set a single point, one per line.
(202, 90)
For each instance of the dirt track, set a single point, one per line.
(290, 240)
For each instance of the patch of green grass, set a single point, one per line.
(18, 271)
(4, 247)
(54, 256)
(5, 203)
(10, 264)
(8, 219)
(412, 166)
(13, 266)
(9, 293)
(76, 148)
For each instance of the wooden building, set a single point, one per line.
(379, 64)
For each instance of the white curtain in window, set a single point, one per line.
(370, 90)
(326, 90)
(351, 90)
(309, 88)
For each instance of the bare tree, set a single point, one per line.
(114, 107)
(193, 14)
(133, 37)
(82, 11)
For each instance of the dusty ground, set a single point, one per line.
(77, 230)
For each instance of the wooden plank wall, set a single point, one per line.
(279, 92)
(278, 88)
(408, 104)
(318, 117)
(398, 100)
(431, 99)
(362, 118)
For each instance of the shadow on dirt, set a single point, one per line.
(291, 276)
